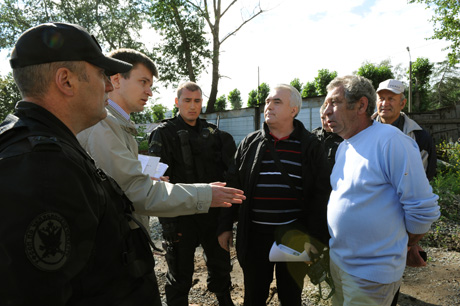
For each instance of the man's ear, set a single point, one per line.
(362, 105)
(294, 110)
(403, 103)
(176, 101)
(115, 79)
(65, 81)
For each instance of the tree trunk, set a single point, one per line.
(185, 43)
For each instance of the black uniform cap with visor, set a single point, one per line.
(55, 42)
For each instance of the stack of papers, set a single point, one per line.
(151, 165)
(282, 253)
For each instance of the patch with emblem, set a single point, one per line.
(47, 241)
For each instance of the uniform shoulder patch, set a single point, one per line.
(47, 241)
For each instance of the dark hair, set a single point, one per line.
(134, 58)
(189, 86)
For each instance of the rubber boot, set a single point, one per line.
(224, 299)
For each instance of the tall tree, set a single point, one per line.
(9, 95)
(184, 50)
(421, 73)
(309, 90)
(322, 80)
(234, 97)
(446, 85)
(446, 23)
(213, 18)
(262, 93)
(296, 84)
(252, 98)
(115, 23)
(221, 102)
(376, 73)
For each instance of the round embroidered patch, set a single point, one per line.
(47, 241)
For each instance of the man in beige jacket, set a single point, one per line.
(111, 143)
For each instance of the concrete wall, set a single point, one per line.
(240, 123)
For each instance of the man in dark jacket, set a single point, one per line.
(330, 140)
(196, 151)
(284, 172)
(66, 238)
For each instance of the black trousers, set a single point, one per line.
(258, 274)
(196, 230)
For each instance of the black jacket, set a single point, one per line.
(331, 142)
(65, 235)
(315, 180)
(198, 154)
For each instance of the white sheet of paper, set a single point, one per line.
(282, 253)
(161, 169)
(149, 164)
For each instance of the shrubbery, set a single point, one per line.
(445, 232)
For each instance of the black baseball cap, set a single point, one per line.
(55, 42)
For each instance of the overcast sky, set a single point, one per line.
(296, 38)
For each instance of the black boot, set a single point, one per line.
(224, 299)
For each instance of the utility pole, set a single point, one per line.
(409, 103)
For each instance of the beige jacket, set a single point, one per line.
(114, 149)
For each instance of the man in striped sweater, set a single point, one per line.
(284, 172)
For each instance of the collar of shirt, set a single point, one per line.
(119, 109)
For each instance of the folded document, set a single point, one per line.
(282, 253)
(151, 165)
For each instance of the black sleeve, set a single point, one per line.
(48, 226)
(319, 189)
(425, 142)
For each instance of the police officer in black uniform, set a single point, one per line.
(66, 229)
(331, 141)
(196, 152)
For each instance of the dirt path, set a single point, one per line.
(436, 284)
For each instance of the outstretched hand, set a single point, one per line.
(225, 196)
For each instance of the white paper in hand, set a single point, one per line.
(282, 253)
(151, 165)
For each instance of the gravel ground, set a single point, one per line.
(437, 284)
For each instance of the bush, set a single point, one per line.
(446, 184)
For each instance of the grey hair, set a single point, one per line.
(402, 96)
(295, 99)
(34, 81)
(355, 87)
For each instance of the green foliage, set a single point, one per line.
(376, 73)
(296, 84)
(234, 97)
(262, 95)
(258, 97)
(309, 90)
(421, 72)
(115, 23)
(446, 185)
(252, 99)
(446, 24)
(150, 114)
(220, 103)
(175, 111)
(445, 90)
(323, 79)
(9, 95)
(184, 50)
